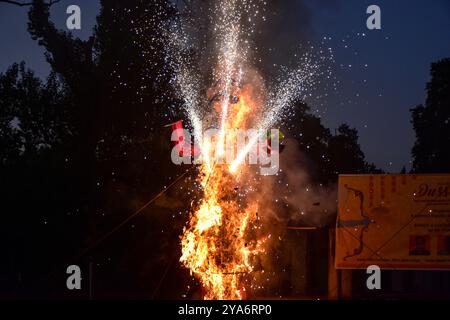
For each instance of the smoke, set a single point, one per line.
(287, 25)
(311, 203)
(292, 197)
(282, 32)
(286, 33)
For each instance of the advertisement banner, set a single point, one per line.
(393, 221)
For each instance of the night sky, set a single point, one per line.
(382, 73)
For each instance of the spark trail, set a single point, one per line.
(222, 241)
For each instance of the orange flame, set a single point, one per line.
(219, 243)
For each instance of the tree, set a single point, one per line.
(33, 171)
(345, 151)
(32, 114)
(329, 155)
(118, 85)
(26, 4)
(85, 148)
(431, 123)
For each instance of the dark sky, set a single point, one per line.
(414, 34)
(17, 44)
(382, 73)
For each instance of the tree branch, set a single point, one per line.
(24, 4)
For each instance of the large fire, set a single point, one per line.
(221, 239)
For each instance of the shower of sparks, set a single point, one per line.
(222, 240)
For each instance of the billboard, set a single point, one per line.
(393, 221)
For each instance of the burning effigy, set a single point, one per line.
(223, 240)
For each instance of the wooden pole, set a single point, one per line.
(90, 279)
(333, 273)
(340, 282)
(346, 284)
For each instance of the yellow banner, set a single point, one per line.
(393, 221)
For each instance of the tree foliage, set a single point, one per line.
(329, 154)
(431, 123)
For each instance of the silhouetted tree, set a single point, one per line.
(86, 147)
(329, 155)
(345, 151)
(431, 123)
(33, 130)
(118, 84)
(32, 114)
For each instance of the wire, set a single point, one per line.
(134, 214)
(120, 225)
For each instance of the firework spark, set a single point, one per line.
(221, 241)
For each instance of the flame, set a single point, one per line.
(219, 242)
